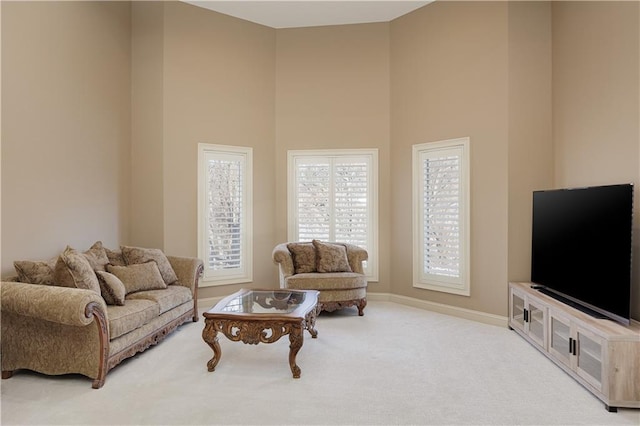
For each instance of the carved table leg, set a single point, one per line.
(210, 336)
(296, 338)
(310, 321)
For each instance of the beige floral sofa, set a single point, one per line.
(334, 269)
(86, 312)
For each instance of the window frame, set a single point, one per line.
(372, 266)
(460, 285)
(244, 274)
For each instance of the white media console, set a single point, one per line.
(602, 355)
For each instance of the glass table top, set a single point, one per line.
(264, 302)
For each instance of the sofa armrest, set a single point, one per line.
(53, 330)
(63, 305)
(356, 255)
(188, 270)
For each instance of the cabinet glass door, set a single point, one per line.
(517, 310)
(536, 323)
(559, 339)
(590, 358)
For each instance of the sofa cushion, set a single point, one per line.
(303, 256)
(115, 257)
(112, 289)
(97, 256)
(133, 314)
(145, 276)
(134, 337)
(167, 299)
(36, 271)
(138, 255)
(331, 257)
(74, 270)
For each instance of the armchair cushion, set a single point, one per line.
(303, 256)
(331, 257)
(327, 281)
(145, 276)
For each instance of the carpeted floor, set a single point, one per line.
(396, 365)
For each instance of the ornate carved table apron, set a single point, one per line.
(254, 316)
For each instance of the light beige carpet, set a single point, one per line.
(396, 365)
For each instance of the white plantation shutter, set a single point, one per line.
(313, 205)
(224, 213)
(351, 201)
(224, 209)
(332, 197)
(441, 216)
(441, 213)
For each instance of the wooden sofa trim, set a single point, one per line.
(93, 310)
(199, 272)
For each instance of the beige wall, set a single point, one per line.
(147, 136)
(219, 88)
(449, 79)
(332, 92)
(596, 102)
(1, 267)
(66, 127)
(530, 124)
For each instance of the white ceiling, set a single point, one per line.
(294, 13)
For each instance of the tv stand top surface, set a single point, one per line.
(625, 332)
(566, 301)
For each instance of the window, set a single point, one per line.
(333, 197)
(441, 216)
(225, 213)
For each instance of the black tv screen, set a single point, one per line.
(581, 247)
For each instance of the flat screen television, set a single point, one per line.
(581, 248)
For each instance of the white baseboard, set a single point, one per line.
(209, 302)
(455, 311)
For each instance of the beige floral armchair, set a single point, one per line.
(334, 269)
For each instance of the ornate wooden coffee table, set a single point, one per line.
(254, 316)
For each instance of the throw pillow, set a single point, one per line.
(115, 257)
(74, 270)
(112, 289)
(303, 256)
(331, 257)
(138, 277)
(138, 255)
(36, 271)
(97, 256)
